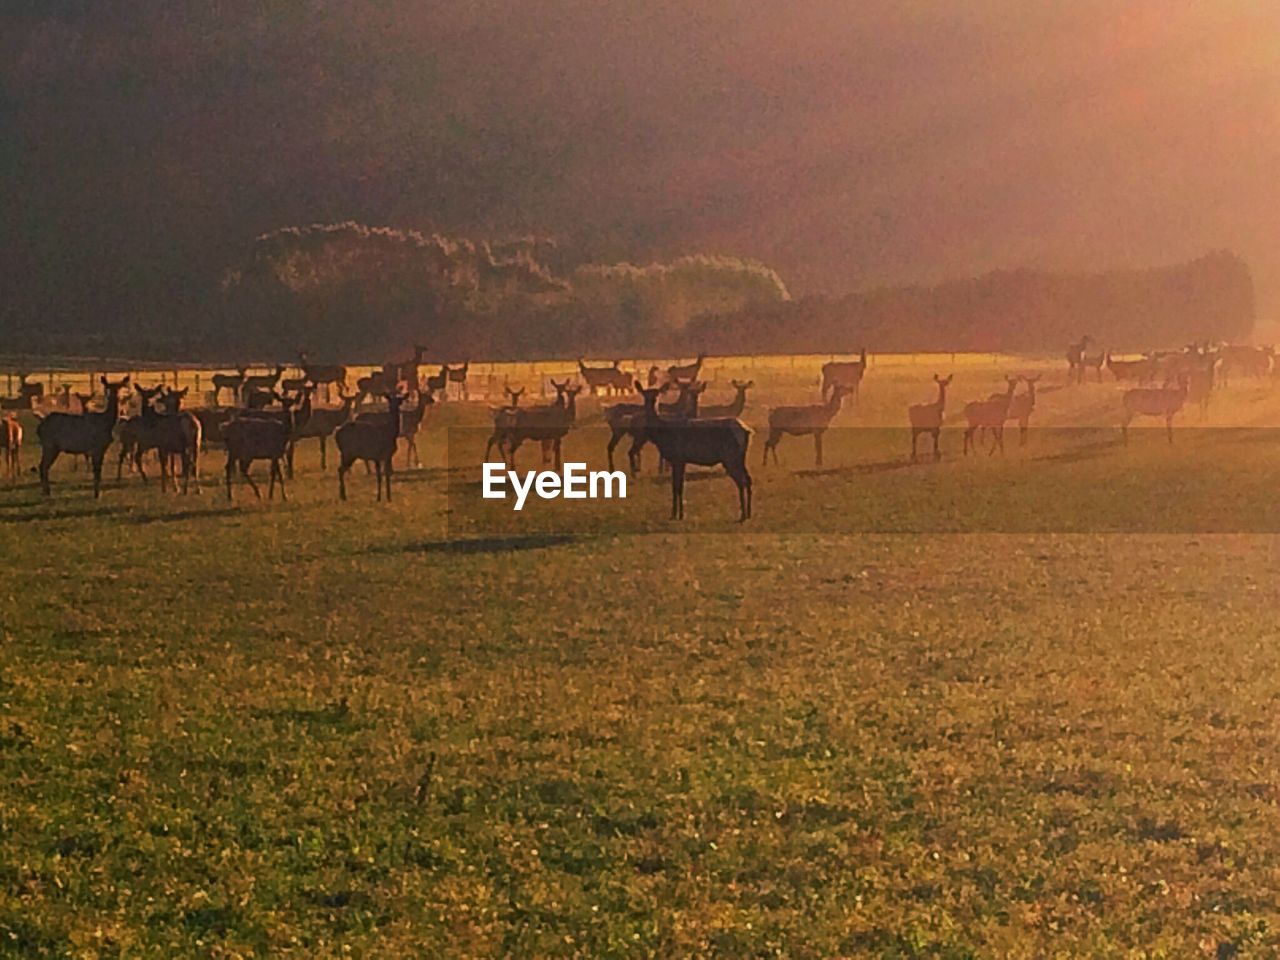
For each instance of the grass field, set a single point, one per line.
(1019, 706)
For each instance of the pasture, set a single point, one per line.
(994, 706)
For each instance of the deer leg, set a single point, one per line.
(289, 460)
(97, 473)
(275, 469)
(1168, 425)
(1124, 428)
(937, 449)
(817, 448)
(47, 456)
(377, 468)
(389, 472)
(322, 446)
(1022, 431)
(230, 469)
(968, 439)
(614, 437)
(244, 472)
(271, 480)
(677, 491)
(633, 455)
(343, 466)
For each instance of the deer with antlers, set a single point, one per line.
(927, 417)
(848, 374)
(1162, 402)
(11, 445)
(989, 415)
(373, 441)
(708, 443)
(804, 421)
(84, 433)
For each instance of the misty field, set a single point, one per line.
(1002, 706)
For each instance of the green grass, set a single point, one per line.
(313, 728)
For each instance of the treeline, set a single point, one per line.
(1009, 310)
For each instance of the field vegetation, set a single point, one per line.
(1002, 706)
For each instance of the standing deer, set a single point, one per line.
(1154, 402)
(439, 383)
(1094, 363)
(406, 371)
(503, 420)
(927, 417)
(325, 375)
(732, 409)
(256, 438)
(1022, 406)
(321, 424)
(85, 433)
(989, 414)
(227, 381)
(1141, 371)
(171, 433)
(804, 421)
(1201, 381)
(685, 406)
(619, 416)
(687, 373)
(260, 382)
(373, 441)
(1075, 359)
(844, 373)
(708, 443)
(547, 425)
(458, 375)
(609, 379)
(410, 423)
(11, 445)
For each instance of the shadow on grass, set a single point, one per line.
(1088, 451)
(39, 515)
(480, 546)
(176, 516)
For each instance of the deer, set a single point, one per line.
(226, 381)
(323, 375)
(11, 445)
(84, 433)
(1153, 402)
(846, 373)
(439, 383)
(1141, 371)
(609, 379)
(1075, 359)
(708, 443)
(503, 419)
(321, 424)
(1021, 408)
(687, 373)
(458, 375)
(804, 421)
(407, 371)
(1094, 363)
(380, 381)
(547, 425)
(256, 438)
(261, 382)
(410, 423)
(1201, 381)
(212, 420)
(989, 414)
(685, 406)
(731, 409)
(619, 417)
(927, 417)
(373, 441)
(171, 433)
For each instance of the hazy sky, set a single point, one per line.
(845, 143)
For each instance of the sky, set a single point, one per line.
(848, 144)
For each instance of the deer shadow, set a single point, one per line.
(176, 516)
(60, 513)
(863, 469)
(1088, 451)
(485, 545)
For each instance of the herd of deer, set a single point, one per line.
(684, 430)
